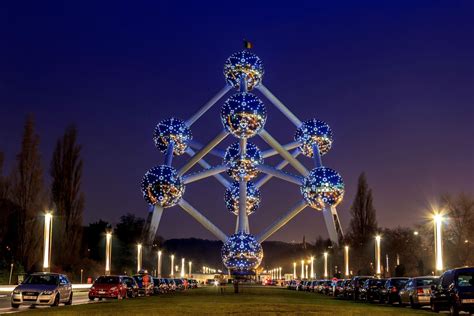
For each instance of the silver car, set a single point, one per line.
(417, 291)
(43, 289)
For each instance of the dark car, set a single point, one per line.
(345, 288)
(370, 290)
(417, 291)
(145, 284)
(353, 289)
(179, 284)
(193, 284)
(454, 292)
(132, 286)
(390, 292)
(108, 286)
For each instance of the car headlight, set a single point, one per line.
(92, 288)
(113, 288)
(15, 291)
(47, 292)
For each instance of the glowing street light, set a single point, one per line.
(158, 273)
(139, 257)
(172, 266)
(48, 237)
(108, 252)
(190, 264)
(438, 220)
(294, 270)
(346, 261)
(182, 268)
(302, 269)
(312, 267)
(306, 269)
(279, 273)
(326, 265)
(377, 255)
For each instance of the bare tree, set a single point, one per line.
(67, 197)
(28, 193)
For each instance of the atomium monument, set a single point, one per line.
(243, 171)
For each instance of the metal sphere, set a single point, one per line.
(314, 132)
(232, 198)
(243, 65)
(243, 167)
(162, 186)
(174, 130)
(323, 187)
(242, 253)
(243, 115)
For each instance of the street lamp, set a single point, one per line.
(48, 237)
(182, 267)
(279, 272)
(172, 266)
(326, 265)
(306, 269)
(302, 269)
(190, 264)
(312, 267)
(377, 255)
(108, 252)
(139, 257)
(438, 220)
(159, 264)
(346, 261)
(294, 270)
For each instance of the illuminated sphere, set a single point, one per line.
(314, 132)
(232, 198)
(242, 253)
(323, 187)
(162, 186)
(242, 167)
(243, 115)
(175, 130)
(243, 65)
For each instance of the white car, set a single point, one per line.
(43, 289)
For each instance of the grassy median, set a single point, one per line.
(251, 301)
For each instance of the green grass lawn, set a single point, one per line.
(251, 301)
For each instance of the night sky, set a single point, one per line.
(395, 83)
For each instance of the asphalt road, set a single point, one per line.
(5, 307)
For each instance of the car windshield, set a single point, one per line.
(46, 279)
(425, 282)
(466, 279)
(399, 282)
(107, 280)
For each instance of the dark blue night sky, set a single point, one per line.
(394, 81)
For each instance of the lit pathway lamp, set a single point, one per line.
(190, 265)
(159, 264)
(48, 238)
(346, 261)
(108, 252)
(438, 221)
(294, 270)
(172, 266)
(326, 265)
(139, 257)
(312, 267)
(378, 270)
(306, 270)
(302, 269)
(182, 267)
(279, 272)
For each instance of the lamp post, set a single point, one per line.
(108, 252)
(294, 270)
(48, 237)
(190, 264)
(346, 261)
(302, 269)
(438, 220)
(386, 265)
(159, 264)
(182, 267)
(312, 267)
(82, 274)
(306, 270)
(172, 266)
(279, 272)
(326, 265)
(377, 255)
(139, 257)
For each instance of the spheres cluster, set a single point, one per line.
(242, 253)
(232, 198)
(243, 66)
(172, 130)
(314, 132)
(243, 166)
(243, 115)
(162, 186)
(323, 187)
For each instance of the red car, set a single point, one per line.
(108, 286)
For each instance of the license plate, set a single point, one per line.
(101, 292)
(469, 300)
(424, 298)
(29, 297)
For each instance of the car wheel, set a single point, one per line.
(91, 298)
(453, 310)
(15, 305)
(69, 301)
(56, 300)
(434, 308)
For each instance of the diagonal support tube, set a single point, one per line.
(204, 164)
(280, 106)
(280, 174)
(153, 221)
(207, 106)
(273, 228)
(202, 220)
(283, 152)
(280, 166)
(215, 151)
(204, 174)
(273, 152)
(169, 154)
(200, 154)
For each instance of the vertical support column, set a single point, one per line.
(169, 154)
(243, 217)
(330, 224)
(154, 223)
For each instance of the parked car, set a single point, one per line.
(339, 288)
(108, 286)
(370, 290)
(145, 284)
(454, 291)
(43, 289)
(345, 287)
(179, 284)
(193, 284)
(355, 285)
(389, 293)
(417, 291)
(132, 286)
(313, 285)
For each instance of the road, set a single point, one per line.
(5, 308)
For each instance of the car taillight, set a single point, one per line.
(394, 289)
(420, 291)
